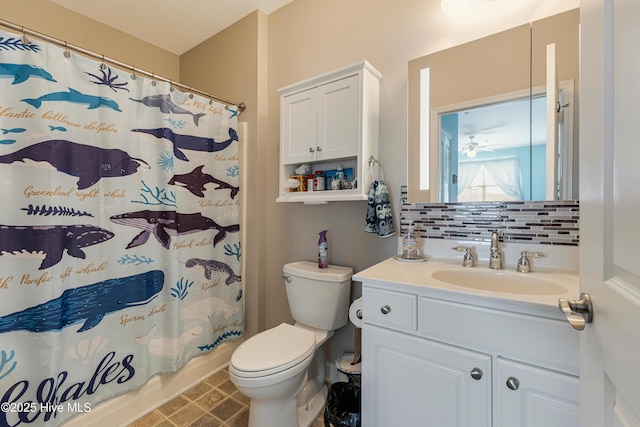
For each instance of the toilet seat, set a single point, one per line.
(272, 351)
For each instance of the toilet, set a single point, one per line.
(282, 370)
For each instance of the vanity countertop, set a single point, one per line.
(417, 277)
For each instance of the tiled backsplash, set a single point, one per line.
(550, 223)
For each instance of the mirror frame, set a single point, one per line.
(513, 74)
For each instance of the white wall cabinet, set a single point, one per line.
(436, 361)
(327, 121)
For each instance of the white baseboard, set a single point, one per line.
(126, 408)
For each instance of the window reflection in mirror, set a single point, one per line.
(487, 154)
(497, 151)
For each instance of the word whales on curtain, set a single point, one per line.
(90, 308)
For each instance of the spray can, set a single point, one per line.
(323, 250)
(319, 181)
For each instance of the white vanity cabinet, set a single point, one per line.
(326, 122)
(436, 358)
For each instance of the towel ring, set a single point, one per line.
(372, 163)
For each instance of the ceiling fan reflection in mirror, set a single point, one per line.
(471, 148)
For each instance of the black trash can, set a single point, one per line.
(343, 406)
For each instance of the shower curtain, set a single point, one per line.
(119, 230)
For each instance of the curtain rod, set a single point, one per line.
(241, 106)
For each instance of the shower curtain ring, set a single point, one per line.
(153, 79)
(66, 54)
(133, 72)
(25, 40)
(103, 65)
(171, 89)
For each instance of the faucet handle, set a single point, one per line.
(468, 260)
(524, 265)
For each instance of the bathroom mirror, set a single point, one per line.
(478, 116)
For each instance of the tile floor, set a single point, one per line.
(215, 402)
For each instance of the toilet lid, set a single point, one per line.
(273, 350)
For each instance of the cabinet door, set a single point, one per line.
(299, 127)
(410, 381)
(338, 119)
(529, 396)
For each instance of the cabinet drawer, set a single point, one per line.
(395, 310)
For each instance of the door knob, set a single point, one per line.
(578, 312)
(513, 383)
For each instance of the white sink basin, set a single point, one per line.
(504, 281)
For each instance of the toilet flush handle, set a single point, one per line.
(286, 278)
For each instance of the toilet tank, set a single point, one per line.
(318, 297)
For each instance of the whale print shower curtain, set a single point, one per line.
(119, 230)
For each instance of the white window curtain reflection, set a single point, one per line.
(505, 172)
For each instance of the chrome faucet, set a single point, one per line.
(524, 265)
(495, 257)
(469, 260)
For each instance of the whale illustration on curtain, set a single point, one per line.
(119, 231)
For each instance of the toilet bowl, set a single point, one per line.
(282, 370)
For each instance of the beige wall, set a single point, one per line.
(55, 21)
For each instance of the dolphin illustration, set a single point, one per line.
(166, 105)
(167, 224)
(195, 181)
(86, 304)
(53, 240)
(75, 97)
(22, 72)
(88, 163)
(190, 142)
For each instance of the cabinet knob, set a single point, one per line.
(311, 150)
(385, 309)
(318, 148)
(476, 373)
(513, 383)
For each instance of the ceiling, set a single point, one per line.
(169, 24)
